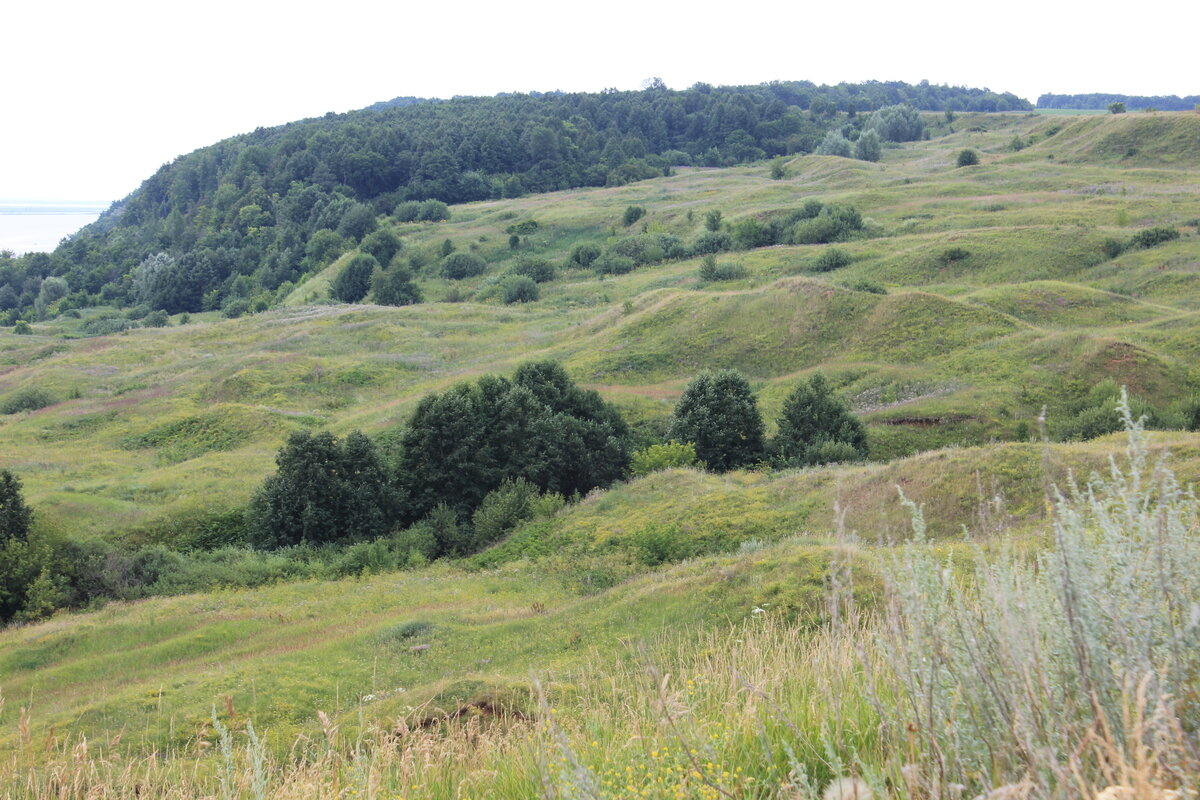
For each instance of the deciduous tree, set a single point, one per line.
(719, 415)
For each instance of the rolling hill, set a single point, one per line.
(971, 302)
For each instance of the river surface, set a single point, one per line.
(39, 226)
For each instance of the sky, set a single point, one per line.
(94, 97)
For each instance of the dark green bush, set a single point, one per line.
(358, 221)
(368, 558)
(710, 270)
(457, 266)
(106, 325)
(463, 443)
(866, 285)
(1112, 247)
(539, 269)
(613, 264)
(583, 255)
(712, 242)
(15, 515)
(383, 245)
(419, 543)
(395, 286)
(235, 307)
(1095, 414)
(518, 289)
(642, 249)
(31, 398)
(953, 254)
(818, 230)
(156, 319)
(407, 211)
(811, 208)
(751, 232)
(1152, 237)
(433, 211)
(967, 158)
(632, 214)
(832, 259)
(324, 490)
(832, 223)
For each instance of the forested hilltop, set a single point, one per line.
(241, 218)
(1171, 102)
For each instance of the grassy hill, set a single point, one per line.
(975, 298)
(998, 301)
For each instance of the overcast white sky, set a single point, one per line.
(94, 96)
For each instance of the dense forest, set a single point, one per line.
(241, 220)
(1171, 102)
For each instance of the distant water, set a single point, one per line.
(39, 226)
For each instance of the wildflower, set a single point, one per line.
(847, 789)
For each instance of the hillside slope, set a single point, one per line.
(576, 589)
(999, 300)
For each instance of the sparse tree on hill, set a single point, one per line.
(898, 123)
(817, 427)
(325, 490)
(394, 286)
(463, 443)
(354, 281)
(383, 244)
(15, 516)
(719, 415)
(868, 147)
(834, 144)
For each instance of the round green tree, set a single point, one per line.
(719, 415)
(817, 427)
(324, 490)
(383, 244)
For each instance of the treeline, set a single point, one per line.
(1133, 102)
(243, 217)
(470, 466)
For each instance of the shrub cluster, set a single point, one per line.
(30, 398)
(472, 465)
(457, 266)
(1095, 413)
(422, 211)
(719, 416)
(1150, 237)
(710, 270)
